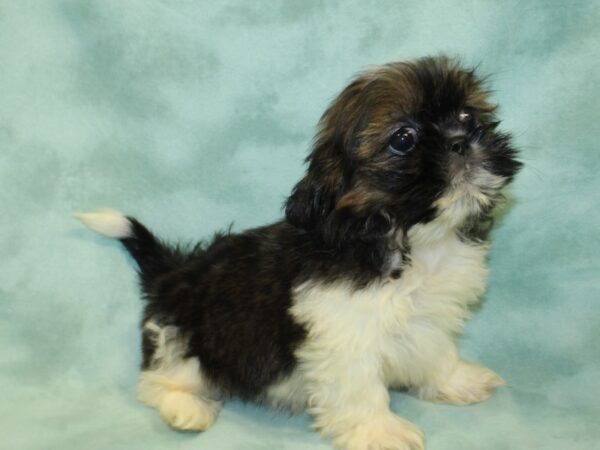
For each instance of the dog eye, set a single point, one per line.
(403, 140)
(465, 116)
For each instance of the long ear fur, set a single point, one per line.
(325, 202)
(316, 195)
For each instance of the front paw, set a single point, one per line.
(469, 383)
(388, 432)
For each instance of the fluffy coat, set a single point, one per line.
(363, 286)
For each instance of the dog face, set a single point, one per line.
(403, 144)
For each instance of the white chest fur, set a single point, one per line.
(402, 328)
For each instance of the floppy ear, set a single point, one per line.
(329, 201)
(315, 196)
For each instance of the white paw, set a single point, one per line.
(187, 412)
(469, 383)
(388, 432)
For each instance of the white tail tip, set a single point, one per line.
(107, 222)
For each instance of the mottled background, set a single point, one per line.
(193, 114)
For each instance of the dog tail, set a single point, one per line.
(152, 256)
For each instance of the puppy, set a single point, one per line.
(362, 287)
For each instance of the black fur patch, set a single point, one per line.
(232, 300)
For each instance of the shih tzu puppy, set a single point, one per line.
(363, 287)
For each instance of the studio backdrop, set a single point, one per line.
(193, 116)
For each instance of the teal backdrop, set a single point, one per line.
(191, 115)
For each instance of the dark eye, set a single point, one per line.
(465, 116)
(403, 140)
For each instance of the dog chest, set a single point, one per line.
(435, 289)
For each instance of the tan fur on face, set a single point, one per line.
(359, 199)
(359, 124)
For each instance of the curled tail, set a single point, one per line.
(153, 257)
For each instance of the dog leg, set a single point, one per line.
(350, 404)
(465, 384)
(434, 371)
(174, 385)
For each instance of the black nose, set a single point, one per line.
(459, 145)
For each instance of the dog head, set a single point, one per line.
(404, 144)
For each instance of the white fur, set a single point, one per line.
(288, 393)
(468, 383)
(394, 333)
(107, 222)
(174, 385)
(474, 190)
